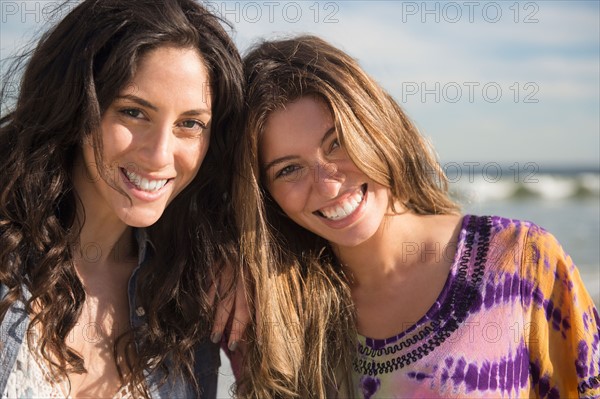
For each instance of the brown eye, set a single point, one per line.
(193, 124)
(290, 173)
(132, 112)
(287, 170)
(334, 145)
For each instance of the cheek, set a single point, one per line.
(382, 199)
(117, 140)
(292, 198)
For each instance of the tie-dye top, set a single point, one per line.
(512, 321)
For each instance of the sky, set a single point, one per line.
(511, 82)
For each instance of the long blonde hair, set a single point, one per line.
(309, 285)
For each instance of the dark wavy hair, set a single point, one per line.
(68, 81)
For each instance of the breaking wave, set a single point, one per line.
(547, 186)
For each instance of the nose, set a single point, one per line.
(328, 179)
(157, 147)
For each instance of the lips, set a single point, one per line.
(344, 208)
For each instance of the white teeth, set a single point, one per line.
(144, 184)
(348, 207)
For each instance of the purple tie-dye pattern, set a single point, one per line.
(548, 307)
(471, 378)
(507, 287)
(544, 386)
(369, 385)
(459, 372)
(526, 291)
(498, 298)
(534, 370)
(516, 285)
(471, 298)
(419, 376)
(449, 362)
(594, 368)
(445, 373)
(524, 367)
(509, 374)
(502, 375)
(556, 274)
(580, 363)
(376, 343)
(595, 343)
(444, 377)
(489, 295)
(538, 296)
(510, 367)
(477, 302)
(484, 376)
(501, 222)
(510, 289)
(556, 319)
(552, 314)
(547, 264)
(534, 255)
(546, 391)
(494, 377)
(553, 394)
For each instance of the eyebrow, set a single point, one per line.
(153, 107)
(327, 134)
(286, 158)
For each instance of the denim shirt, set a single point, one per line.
(207, 361)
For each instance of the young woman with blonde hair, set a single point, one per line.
(396, 293)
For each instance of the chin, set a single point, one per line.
(141, 221)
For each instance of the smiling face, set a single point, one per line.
(312, 178)
(155, 135)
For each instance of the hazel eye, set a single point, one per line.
(193, 124)
(287, 170)
(132, 112)
(289, 173)
(335, 144)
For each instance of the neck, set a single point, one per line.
(104, 242)
(402, 242)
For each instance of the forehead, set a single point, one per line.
(174, 73)
(303, 121)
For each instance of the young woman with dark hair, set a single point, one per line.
(116, 211)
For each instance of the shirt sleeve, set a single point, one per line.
(564, 324)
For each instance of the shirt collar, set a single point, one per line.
(143, 241)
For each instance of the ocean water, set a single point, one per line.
(564, 202)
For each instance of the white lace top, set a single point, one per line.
(31, 378)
